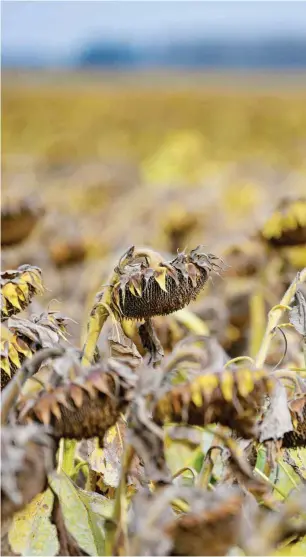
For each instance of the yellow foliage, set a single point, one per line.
(32, 532)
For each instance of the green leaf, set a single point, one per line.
(96, 503)
(85, 525)
(180, 453)
(31, 532)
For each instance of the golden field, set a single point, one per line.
(93, 164)
(120, 159)
(164, 160)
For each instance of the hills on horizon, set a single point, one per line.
(224, 53)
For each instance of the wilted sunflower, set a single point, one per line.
(67, 252)
(149, 286)
(18, 221)
(287, 225)
(210, 525)
(25, 336)
(18, 288)
(230, 397)
(84, 407)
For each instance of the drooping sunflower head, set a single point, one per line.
(18, 288)
(287, 225)
(148, 286)
(18, 220)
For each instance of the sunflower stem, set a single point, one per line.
(97, 318)
(119, 515)
(67, 456)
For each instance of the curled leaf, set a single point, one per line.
(277, 420)
(297, 315)
(150, 341)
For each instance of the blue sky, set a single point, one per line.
(56, 27)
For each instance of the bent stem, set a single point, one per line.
(274, 317)
(98, 316)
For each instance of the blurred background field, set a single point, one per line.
(102, 156)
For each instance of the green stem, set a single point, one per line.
(269, 482)
(204, 476)
(97, 318)
(258, 321)
(118, 520)
(67, 456)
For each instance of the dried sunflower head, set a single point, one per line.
(149, 286)
(18, 220)
(25, 336)
(84, 407)
(287, 225)
(18, 288)
(231, 397)
(209, 526)
(68, 252)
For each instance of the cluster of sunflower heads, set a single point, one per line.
(287, 225)
(148, 286)
(24, 337)
(229, 397)
(83, 407)
(18, 288)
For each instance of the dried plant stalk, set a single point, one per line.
(275, 315)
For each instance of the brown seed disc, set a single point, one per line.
(155, 301)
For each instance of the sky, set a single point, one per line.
(58, 27)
